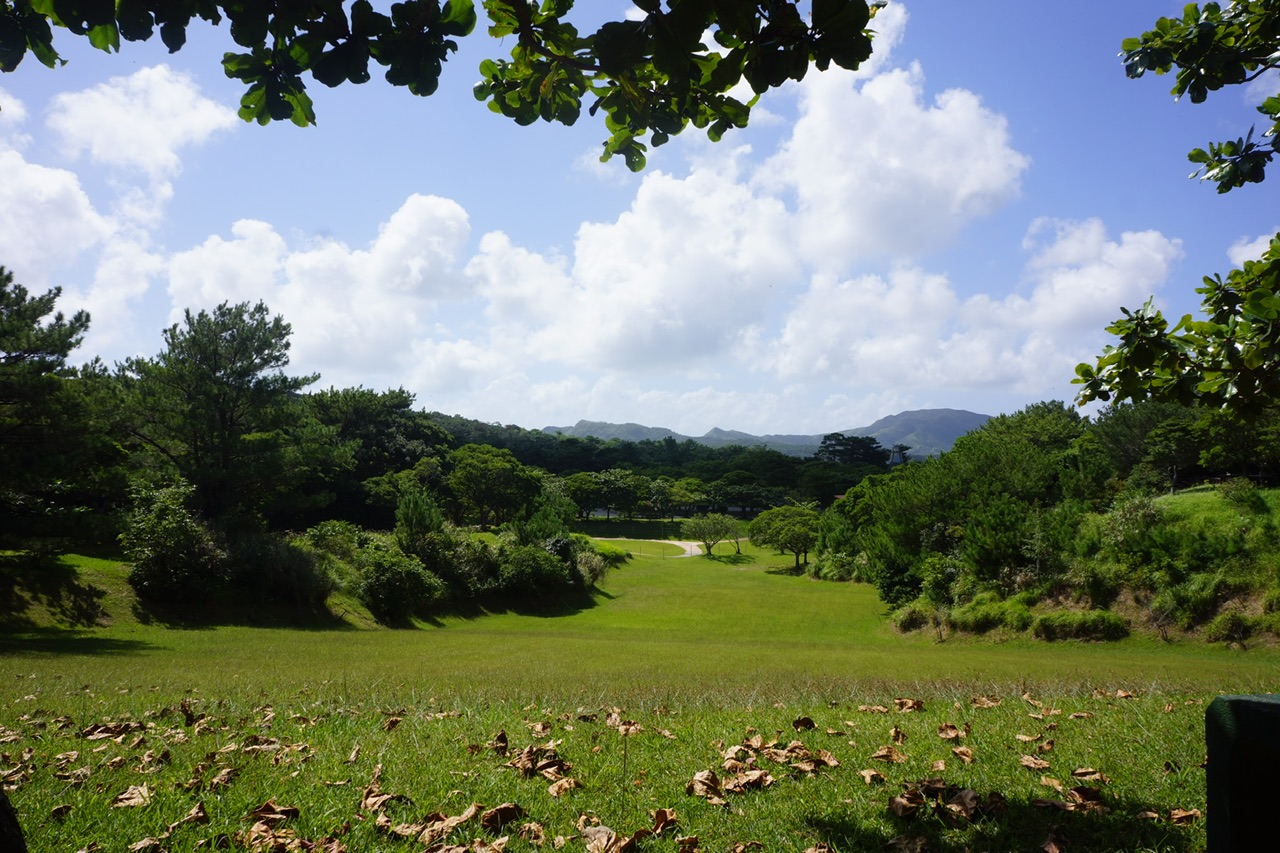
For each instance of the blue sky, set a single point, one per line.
(952, 226)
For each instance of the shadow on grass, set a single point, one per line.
(787, 571)
(242, 613)
(52, 641)
(550, 607)
(730, 559)
(1024, 826)
(32, 579)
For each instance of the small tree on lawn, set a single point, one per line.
(710, 529)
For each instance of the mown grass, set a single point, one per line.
(699, 653)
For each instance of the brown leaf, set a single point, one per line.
(964, 753)
(889, 754)
(272, 813)
(938, 766)
(1054, 843)
(871, 776)
(706, 785)
(1080, 715)
(1183, 817)
(562, 786)
(908, 803)
(949, 731)
(58, 812)
(600, 839)
(146, 845)
(908, 844)
(986, 702)
(136, 795)
(663, 819)
(1050, 782)
(1088, 774)
(534, 833)
(1033, 763)
(873, 709)
(908, 705)
(801, 724)
(499, 816)
(354, 756)
(1047, 746)
(897, 735)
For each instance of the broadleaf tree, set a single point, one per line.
(647, 76)
(1230, 358)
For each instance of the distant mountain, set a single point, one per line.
(927, 432)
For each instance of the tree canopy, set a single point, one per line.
(650, 76)
(1231, 358)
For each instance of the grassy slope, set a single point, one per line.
(708, 650)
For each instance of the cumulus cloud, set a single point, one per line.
(877, 173)
(46, 218)
(1250, 249)
(356, 313)
(140, 122)
(912, 329)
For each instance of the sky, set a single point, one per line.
(951, 226)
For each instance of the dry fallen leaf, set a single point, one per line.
(889, 754)
(136, 795)
(964, 753)
(1033, 763)
(564, 785)
(907, 705)
(1183, 817)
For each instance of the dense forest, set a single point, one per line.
(219, 473)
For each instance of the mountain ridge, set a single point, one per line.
(927, 432)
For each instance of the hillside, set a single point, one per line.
(927, 432)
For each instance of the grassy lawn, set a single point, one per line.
(692, 656)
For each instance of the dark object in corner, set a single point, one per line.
(1242, 734)
(11, 840)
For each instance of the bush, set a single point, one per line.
(1094, 582)
(395, 586)
(342, 539)
(1229, 627)
(175, 557)
(987, 612)
(914, 615)
(1191, 602)
(1080, 625)
(272, 569)
(529, 571)
(611, 554)
(1243, 493)
(840, 566)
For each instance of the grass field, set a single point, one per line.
(680, 666)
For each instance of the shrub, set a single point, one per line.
(1229, 627)
(417, 516)
(175, 557)
(276, 570)
(840, 566)
(1126, 529)
(914, 615)
(342, 539)
(987, 611)
(1243, 493)
(1080, 625)
(530, 571)
(1095, 582)
(1191, 602)
(395, 586)
(591, 566)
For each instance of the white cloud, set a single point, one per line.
(1249, 249)
(912, 330)
(357, 314)
(877, 173)
(46, 218)
(139, 122)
